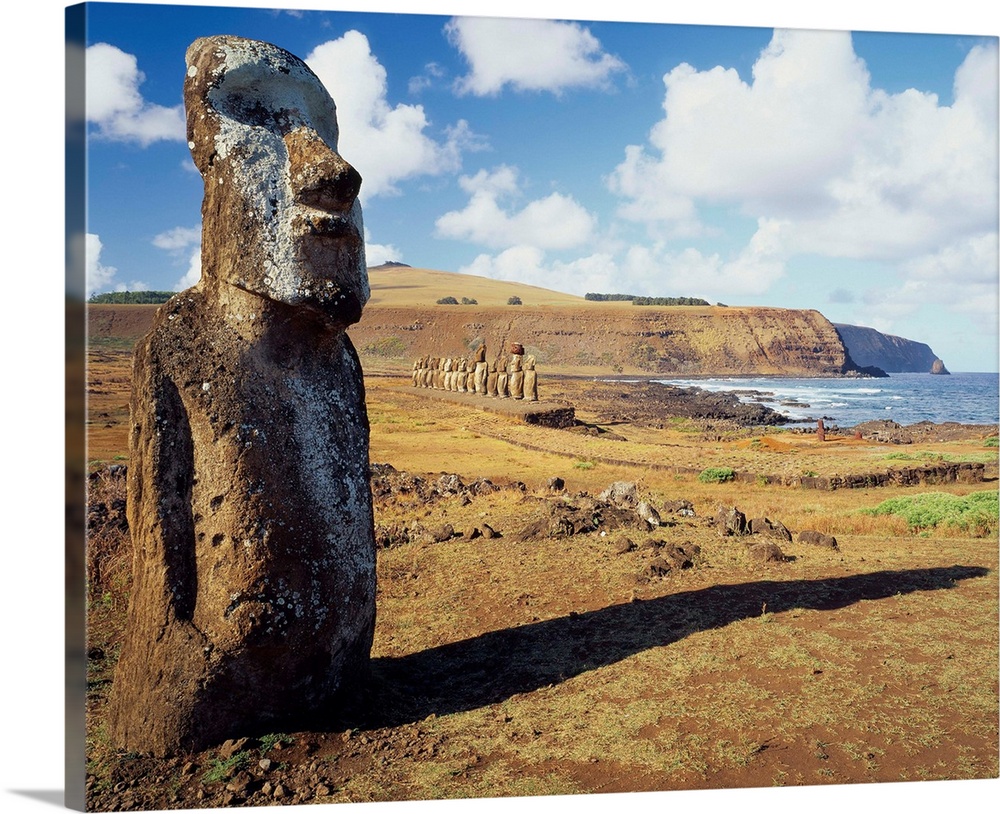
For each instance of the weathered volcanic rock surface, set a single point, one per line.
(252, 603)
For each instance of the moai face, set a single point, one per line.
(280, 216)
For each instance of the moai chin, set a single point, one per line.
(253, 599)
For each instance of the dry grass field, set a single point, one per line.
(539, 661)
(536, 661)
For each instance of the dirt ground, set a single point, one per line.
(548, 644)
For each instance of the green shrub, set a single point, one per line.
(975, 513)
(469, 301)
(447, 301)
(224, 769)
(515, 300)
(268, 742)
(716, 474)
(992, 441)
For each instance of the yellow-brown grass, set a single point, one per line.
(561, 665)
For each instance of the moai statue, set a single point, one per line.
(515, 375)
(820, 430)
(417, 368)
(463, 375)
(480, 371)
(491, 380)
(530, 378)
(253, 597)
(449, 377)
(502, 391)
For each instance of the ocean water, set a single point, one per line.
(906, 398)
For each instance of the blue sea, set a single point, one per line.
(906, 398)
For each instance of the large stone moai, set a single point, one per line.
(530, 378)
(515, 374)
(253, 599)
(480, 370)
(491, 380)
(502, 386)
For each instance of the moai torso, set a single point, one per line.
(530, 379)
(515, 377)
(253, 599)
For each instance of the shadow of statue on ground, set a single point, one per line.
(494, 666)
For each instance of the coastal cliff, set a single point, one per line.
(567, 334)
(671, 341)
(891, 353)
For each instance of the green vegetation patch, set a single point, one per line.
(975, 513)
(669, 301)
(131, 297)
(992, 441)
(224, 769)
(388, 347)
(716, 474)
(635, 299)
(268, 742)
(939, 457)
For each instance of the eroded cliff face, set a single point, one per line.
(678, 341)
(591, 339)
(891, 353)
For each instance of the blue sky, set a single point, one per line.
(851, 173)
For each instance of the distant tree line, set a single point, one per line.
(131, 297)
(453, 301)
(637, 300)
(670, 301)
(609, 297)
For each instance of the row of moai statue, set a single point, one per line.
(508, 376)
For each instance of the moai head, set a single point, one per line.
(280, 218)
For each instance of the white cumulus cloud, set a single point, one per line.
(378, 253)
(529, 55)
(528, 264)
(193, 273)
(850, 170)
(386, 144)
(178, 238)
(183, 242)
(115, 105)
(99, 276)
(556, 221)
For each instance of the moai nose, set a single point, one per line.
(319, 176)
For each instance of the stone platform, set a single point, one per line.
(554, 414)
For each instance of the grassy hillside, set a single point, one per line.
(402, 286)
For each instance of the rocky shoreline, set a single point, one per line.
(653, 404)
